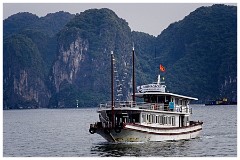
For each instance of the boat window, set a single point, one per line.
(154, 99)
(146, 99)
(180, 102)
(187, 119)
(157, 120)
(143, 117)
(165, 120)
(161, 119)
(184, 103)
(173, 121)
(161, 99)
(169, 121)
(168, 99)
(177, 101)
(148, 118)
(153, 118)
(135, 118)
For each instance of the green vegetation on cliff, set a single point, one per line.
(94, 33)
(23, 68)
(29, 49)
(55, 60)
(200, 53)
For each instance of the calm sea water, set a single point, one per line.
(64, 133)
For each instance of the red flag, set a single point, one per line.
(162, 68)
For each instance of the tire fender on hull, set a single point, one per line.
(92, 130)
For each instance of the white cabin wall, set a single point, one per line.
(148, 119)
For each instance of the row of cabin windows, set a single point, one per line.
(164, 99)
(157, 99)
(181, 102)
(160, 119)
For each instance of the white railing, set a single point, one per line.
(147, 106)
(119, 104)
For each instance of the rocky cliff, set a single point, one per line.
(84, 57)
(61, 59)
(23, 83)
(28, 52)
(200, 53)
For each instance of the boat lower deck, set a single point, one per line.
(140, 133)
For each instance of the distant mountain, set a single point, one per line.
(81, 71)
(18, 22)
(29, 48)
(57, 60)
(200, 53)
(145, 49)
(24, 74)
(51, 24)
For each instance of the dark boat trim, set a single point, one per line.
(196, 130)
(169, 128)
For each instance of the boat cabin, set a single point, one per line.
(157, 109)
(166, 109)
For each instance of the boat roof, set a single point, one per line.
(140, 95)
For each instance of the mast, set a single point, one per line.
(112, 91)
(159, 79)
(133, 73)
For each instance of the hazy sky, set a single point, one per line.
(150, 18)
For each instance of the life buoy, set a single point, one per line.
(117, 130)
(92, 130)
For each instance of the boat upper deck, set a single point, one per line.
(153, 107)
(140, 95)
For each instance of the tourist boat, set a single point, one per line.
(160, 116)
(223, 101)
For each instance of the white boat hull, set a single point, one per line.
(139, 133)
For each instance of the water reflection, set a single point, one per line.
(148, 149)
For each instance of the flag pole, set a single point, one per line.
(112, 91)
(133, 74)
